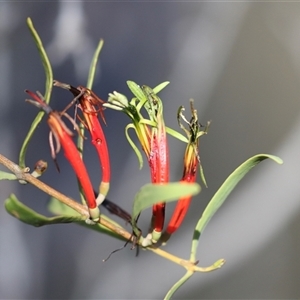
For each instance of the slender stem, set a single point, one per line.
(187, 264)
(80, 151)
(178, 284)
(22, 174)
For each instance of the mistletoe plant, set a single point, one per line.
(152, 134)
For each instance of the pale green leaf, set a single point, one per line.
(220, 196)
(58, 208)
(177, 135)
(132, 144)
(148, 122)
(202, 175)
(160, 87)
(48, 90)
(93, 65)
(151, 194)
(7, 176)
(136, 91)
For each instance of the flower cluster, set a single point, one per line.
(91, 106)
(152, 135)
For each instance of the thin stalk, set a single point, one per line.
(22, 174)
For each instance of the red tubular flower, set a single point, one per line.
(152, 137)
(63, 138)
(189, 175)
(158, 159)
(191, 163)
(90, 105)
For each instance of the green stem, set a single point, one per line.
(178, 284)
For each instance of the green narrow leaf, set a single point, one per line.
(160, 87)
(151, 194)
(58, 208)
(66, 215)
(7, 176)
(48, 90)
(202, 175)
(148, 122)
(132, 144)
(136, 91)
(45, 61)
(220, 196)
(27, 215)
(93, 65)
(177, 135)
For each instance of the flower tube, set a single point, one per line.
(191, 162)
(90, 104)
(152, 137)
(63, 138)
(158, 159)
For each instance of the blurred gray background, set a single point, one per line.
(241, 64)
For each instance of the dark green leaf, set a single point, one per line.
(31, 217)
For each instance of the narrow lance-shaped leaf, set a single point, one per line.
(220, 196)
(58, 208)
(27, 215)
(160, 87)
(64, 214)
(49, 80)
(93, 65)
(7, 176)
(151, 194)
(136, 90)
